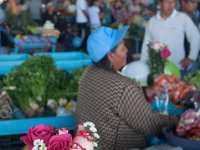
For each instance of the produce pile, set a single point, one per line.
(37, 85)
(176, 88)
(184, 92)
(189, 125)
(20, 24)
(51, 32)
(5, 106)
(194, 79)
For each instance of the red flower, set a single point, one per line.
(165, 53)
(41, 131)
(60, 142)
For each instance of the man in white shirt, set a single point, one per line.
(94, 14)
(169, 27)
(82, 16)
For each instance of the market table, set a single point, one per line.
(12, 130)
(34, 42)
(68, 61)
(21, 126)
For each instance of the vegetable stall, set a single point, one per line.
(40, 89)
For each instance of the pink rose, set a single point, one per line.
(60, 142)
(165, 53)
(156, 46)
(41, 131)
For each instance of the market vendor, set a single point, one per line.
(114, 103)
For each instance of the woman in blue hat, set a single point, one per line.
(114, 103)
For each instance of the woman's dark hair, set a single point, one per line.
(91, 2)
(104, 63)
(22, 2)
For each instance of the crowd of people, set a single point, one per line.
(87, 15)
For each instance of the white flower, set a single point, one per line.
(1, 1)
(91, 124)
(51, 103)
(34, 105)
(35, 148)
(189, 121)
(11, 88)
(156, 46)
(62, 101)
(39, 145)
(39, 98)
(162, 45)
(96, 135)
(43, 147)
(148, 42)
(3, 93)
(95, 144)
(93, 129)
(37, 142)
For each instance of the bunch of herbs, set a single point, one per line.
(35, 82)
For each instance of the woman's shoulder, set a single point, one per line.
(115, 78)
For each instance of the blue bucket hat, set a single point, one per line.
(103, 40)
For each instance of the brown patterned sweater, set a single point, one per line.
(118, 108)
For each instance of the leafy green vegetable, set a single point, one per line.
(36, 81)
(72, 89)
(194, 79)
(19, 24)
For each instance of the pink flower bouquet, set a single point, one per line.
(158, 53)
(43, 137)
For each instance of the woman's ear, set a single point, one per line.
(110, 56)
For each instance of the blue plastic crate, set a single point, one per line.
(68, 61)
(12, 130)
(65, 56)
(13, 57)
(70, 66)
(21, 126)
(7, 66)
(34, 42)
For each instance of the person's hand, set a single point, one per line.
(185, 63)
(170, 120)
(151, 91)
